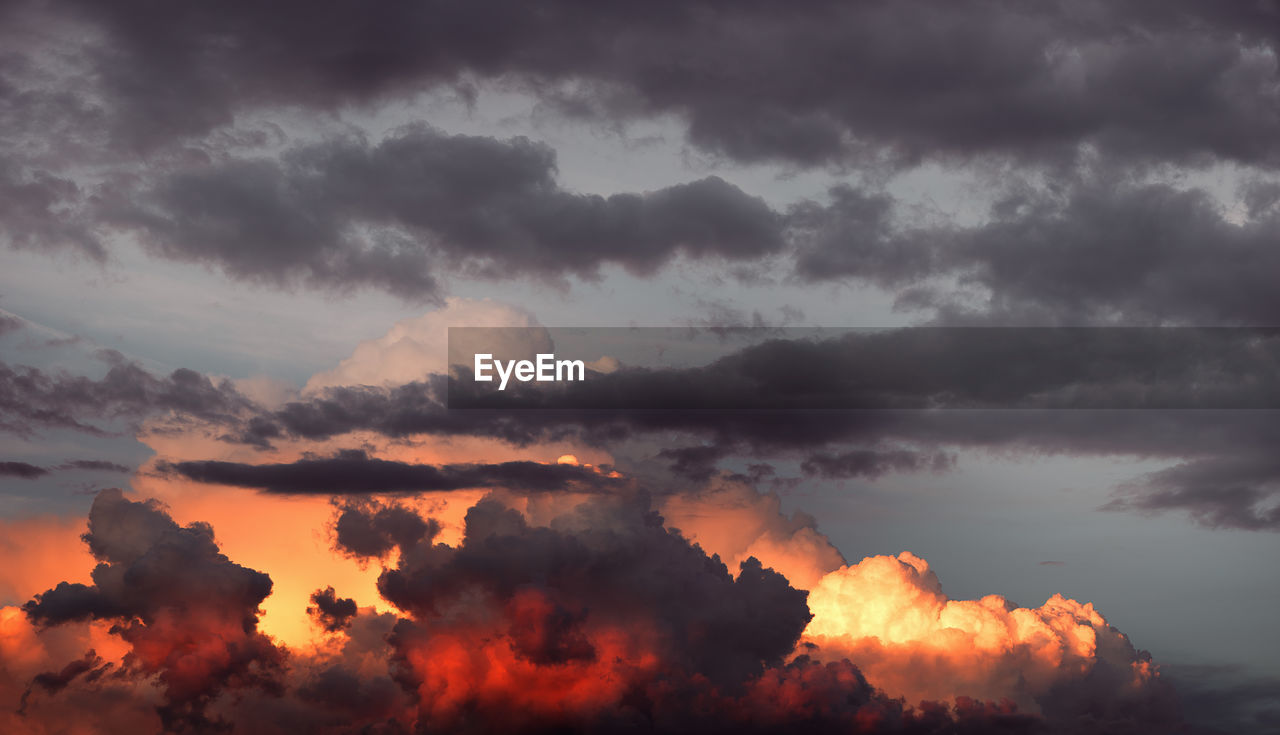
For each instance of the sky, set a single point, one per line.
(234, 237)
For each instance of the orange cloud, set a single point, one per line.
(36, 550)
(890, 617)
(732, 519)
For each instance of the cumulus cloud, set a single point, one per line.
(604, 620)
(188, 613)
(890, 617)
(331, 612)
(370, 529)
(598, 617)
(729, 518)
(416, 348)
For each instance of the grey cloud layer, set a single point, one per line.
(32, 400)
(1088, 250)
(346, 213)
(1226, 477)
(400, 213)
(753, 80)
(1134, 83)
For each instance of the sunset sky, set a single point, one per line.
(234, 236)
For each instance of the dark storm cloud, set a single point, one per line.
(373, 530)
(357, 698)
(346, 213)
(333, 613)
(168, 589)
(354, 472)
(552, 598)
(612, 561)
(1134, 79)
(32, 400)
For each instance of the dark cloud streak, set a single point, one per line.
(354, 472)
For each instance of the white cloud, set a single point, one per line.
(417, 347)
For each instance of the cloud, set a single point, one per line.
(42, 210)
(1088, 95)
(728, 518)
(1095, 372)
(373, 530)
(1096, 248)
(97, 465)
(890, 617)
(10, 323)
(652, 577)
(34, 551)
(347, 213)
(416, 348)
(31, 399)
(354, 472)
(188, 613)
(1106, 252)
(1240, 492)
(873, 463)
(598, 617)
(22, 470)
(331, 612)
(89, 668)
(750, 82)
(1225, 699)
(938, 367)
(27, 471)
